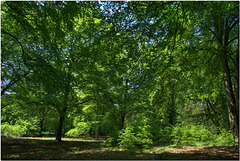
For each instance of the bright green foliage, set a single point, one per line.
(189, 135)
(21, 127)
(31, 125)
(12, 130)
(194, 134)
(110, 142)
(225, 137)
(82, 128)
(131, 138)
(137, 135)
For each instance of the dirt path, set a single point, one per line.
(17, 148)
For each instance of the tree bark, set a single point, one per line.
(62, 115)
(122, 119)
(41, 126)
(236, 80)
(231, 104)
(97, 132)
(221, 33)
(60, 125)
(172, 110)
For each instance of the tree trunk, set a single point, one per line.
(59, 129)
(98, 119)
(236, 80)
(221, 33)
(205, 118)
(41, 126)
(121, 124)
(172, 110)
(42, 118)
(231, 104)
(62, 117)
(97, 132)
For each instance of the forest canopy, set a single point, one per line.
(141, 73)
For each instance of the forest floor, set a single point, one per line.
(91, 149)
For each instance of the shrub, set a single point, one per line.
(191, 134)
(134, 138)
(137, 134)
(20, 127)
(31, 126)
(109, 142)
(225, 137)
(12, 130)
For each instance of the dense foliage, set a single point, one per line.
(141, 73)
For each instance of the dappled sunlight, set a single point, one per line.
(91, 151)
(47, 148)
(87, 139)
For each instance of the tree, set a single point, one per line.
(189, 22)
(102, 66)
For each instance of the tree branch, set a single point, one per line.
(12, 82)
(232, 40)
(23, 51)
(216, 36)
(234, 24)
(16, 19)
(234, 62)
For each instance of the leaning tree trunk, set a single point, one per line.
(236, 79)
(221, 33)
(231, 103)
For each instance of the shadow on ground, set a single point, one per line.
(35, 149)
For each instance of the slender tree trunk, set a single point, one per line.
(97, 132)
(98, 113)
(122, 119)
(205, 117)
(236, 80)
(42, 120)
(172, 110)
(124, 106)
(41, 126)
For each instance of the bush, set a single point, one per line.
(110, 142)
(20, 127)
(225, 137)
(191, 134)
(12, 130)
(134, 138)
(137, 134)
(31, 126)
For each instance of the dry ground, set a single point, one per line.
(89, 149)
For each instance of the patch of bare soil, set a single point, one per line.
(203, 153)
(37, 149)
